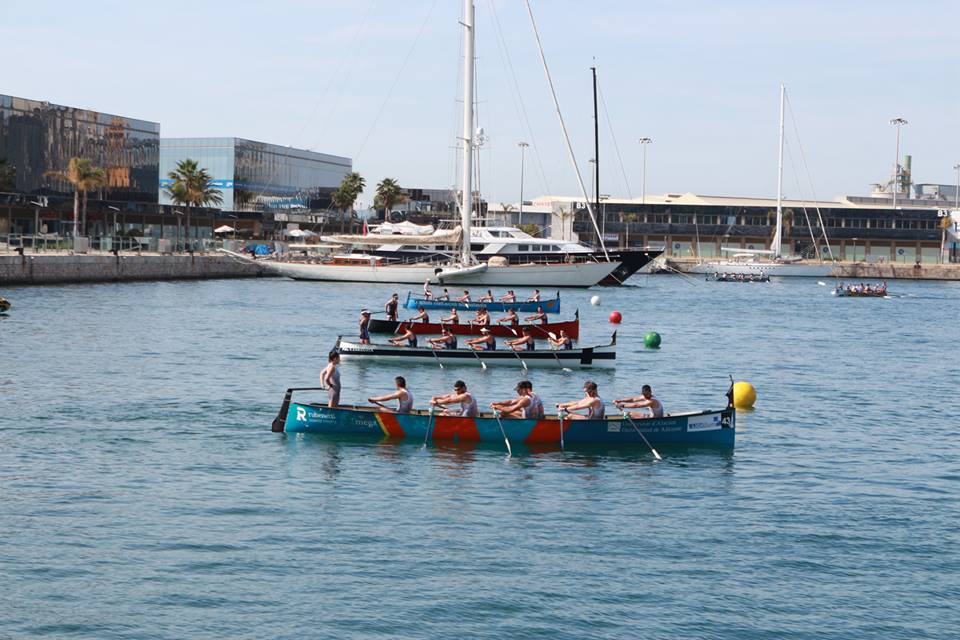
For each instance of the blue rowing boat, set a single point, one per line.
(551, 305)
(715, 428)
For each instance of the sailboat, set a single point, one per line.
(766, 262)
(466, 270)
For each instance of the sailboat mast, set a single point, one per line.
(596, 157)
(778, 234)
(466, 201)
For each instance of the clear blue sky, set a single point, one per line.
(699, 78)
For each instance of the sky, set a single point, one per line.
(378, 81)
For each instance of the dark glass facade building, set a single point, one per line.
(38, 137)
(257, 176)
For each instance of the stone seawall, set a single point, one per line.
(58, 269)
(864, 270)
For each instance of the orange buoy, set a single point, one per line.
(615, 317)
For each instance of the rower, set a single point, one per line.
(330, 378)
(427, 293)
(468, 404)
(391, 307)
(535, 297)
(445, 341)
(408, 336)
(591, 402)
(644, 401)
(509, 296)
(453, 318)
(445, 297)
(511, 317)
(364, 327)
(539, 315)
(482, 318)
(422, 315)
(486, 341)
(402, 395)
(525, 341)
(562, 341)
(527, 405)
(465, 297)
(487, 297)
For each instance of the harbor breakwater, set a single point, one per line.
(59, 269)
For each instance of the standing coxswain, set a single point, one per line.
(402, 395)
(330, 378)
(391, 307)
(364, 327)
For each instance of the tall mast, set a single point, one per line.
(778, 234)
(596, 157)
(466, 202)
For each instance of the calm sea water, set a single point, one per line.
(144, 496)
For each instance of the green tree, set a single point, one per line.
(8, 176)
(192, 187)
(347, 193)
(84, 177)
(389, 193)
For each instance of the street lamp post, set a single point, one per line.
(643, 181)
(36, 226)
(115, 212)
(956, 194)
(523, 148)
(897, 122)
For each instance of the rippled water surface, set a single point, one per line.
(144, 496)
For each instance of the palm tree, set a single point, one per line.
(192, 187)
(945, 223)
(83, 176)
(347, 193)
(388, 194)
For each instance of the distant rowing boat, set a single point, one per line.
(551, 305)
(846, 292)
(582, 357)
(714, 428)
(572, 328)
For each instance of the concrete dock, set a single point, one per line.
(47, 268)
(867, 270)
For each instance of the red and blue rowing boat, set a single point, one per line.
(715, 428)
(572, 327)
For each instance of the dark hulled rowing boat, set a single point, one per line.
(715, 428)
(551, 305)
(572, 328)
(582, 357)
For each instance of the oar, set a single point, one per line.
(426, 436)
(434, 352)
(557, 358)
(642, 437)
(477, 356)
(517, 354)
(560, 415)
(506, 440)
(379, 404)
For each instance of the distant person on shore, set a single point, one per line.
(453, 318)
(364, 327)
(562, 341)
(535, 297)
(422, 315)
(444, 341)
(511, 318)
(330, 378)
(487, 297)
(509, 296)
(527, 405)
(407, 336)
(486, 341)
(645, 400)
(391, 307)
(460, 395)
(591, 402)
(465, 297)
(539, 315)
(402, 395)
(524, 342)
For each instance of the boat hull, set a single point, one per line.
(526, 275)
(551, 305)
(499, 330)
(706, 428)
(583, 358)
(777, 269)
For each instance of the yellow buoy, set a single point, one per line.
(744, 395)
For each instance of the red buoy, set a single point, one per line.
(615, 317)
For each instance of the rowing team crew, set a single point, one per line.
(509, 296)
(741, 277)
(862, 288)
(482, 319)
(526, 405)
(486, 341)
(392, 306)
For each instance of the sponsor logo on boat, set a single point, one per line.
(704, 423)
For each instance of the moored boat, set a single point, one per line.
(714, 428)
(860, 291)
(581, 357)
(549, 305)
(572, 328)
